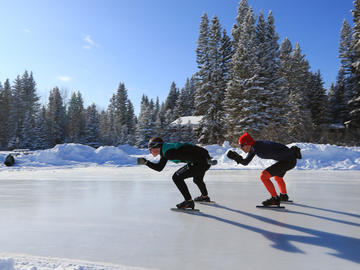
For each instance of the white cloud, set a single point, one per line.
(89, 42)
(64, 78)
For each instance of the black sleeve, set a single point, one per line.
(249, 157)
(157, 166)
(188, 152)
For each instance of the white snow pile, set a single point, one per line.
(25, 262)
(315, 156)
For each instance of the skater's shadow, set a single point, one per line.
(327, 210)
(324, 218)
(345, 247)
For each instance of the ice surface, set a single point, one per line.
(120, 216)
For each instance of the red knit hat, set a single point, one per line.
(246, 139)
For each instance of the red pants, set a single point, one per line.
(265, 178)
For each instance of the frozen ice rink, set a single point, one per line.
(121, 216)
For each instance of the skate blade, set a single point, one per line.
(211, 202)
(270, 207)
(289, 202)
(184, 210)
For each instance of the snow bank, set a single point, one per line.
(24, 262)
(329, 157)
(315, 157)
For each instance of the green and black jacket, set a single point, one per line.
(180, 152)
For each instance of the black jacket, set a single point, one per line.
(180, 152)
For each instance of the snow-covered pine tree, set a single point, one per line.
(76, 119)
(55, 118)
(145, 126)
(41, 140)
(345, 77)
(170, 102)
(354, 102)
(105, 126)
(28, 132)
(318, 102)
(243, 109)
(271, 93)
(203, 62)
(32, 108)
(212, 80)
(119, 110)
(130, 123)
(159, 118)
(337, 100)
(297, 77)
(92, 136)
(190, 88)
(5, 105)
(181, 104)
(25, 105)
(240, 18)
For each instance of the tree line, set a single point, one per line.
(248, 81)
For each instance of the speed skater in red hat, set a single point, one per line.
(285, 157)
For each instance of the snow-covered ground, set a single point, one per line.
(74, 207)
(315, 156)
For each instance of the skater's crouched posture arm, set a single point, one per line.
(197, 161)
(285, 157)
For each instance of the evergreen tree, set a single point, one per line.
(299, 116)
(244, 113)
(203, 61)
(5, 105)
(31, 109)
(318, 100)
(237, 29)
(354, 102)
(42, 139)
(23, 111)
(345, 73)
(271, 93)
(345, 53)
(337, 100)
(76, 119)
(170, 102)
(55, 118)
(213, 76)
(145, 126)
(181, 104)
(118, 110)
(131, 124)
(105, 126)
(160, 125)
(92, 127)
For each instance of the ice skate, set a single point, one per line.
(186, 204)
(284, 198)
(202, 199)
(273, 201)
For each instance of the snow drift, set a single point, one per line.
(315, 157)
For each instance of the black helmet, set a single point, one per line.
(155, 142)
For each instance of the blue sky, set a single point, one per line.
(92, 45)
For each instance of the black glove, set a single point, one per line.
(297, 151)
(211, 161)
(141, 161)
(234, 156)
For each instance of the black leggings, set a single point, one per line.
(197, 171)
(281, 167)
